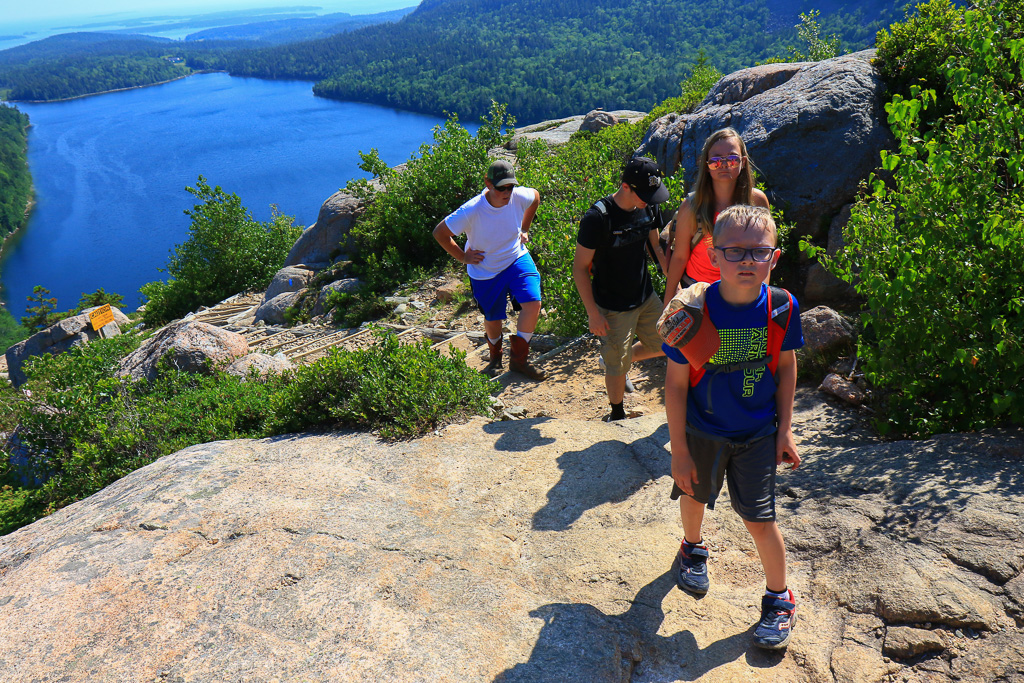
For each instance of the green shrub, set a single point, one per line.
(814, 47)
(94, 427)
(937, 254)
(227, 252)
(394, 235)
(10, 331)
(569, 180)
(350, 309)
(915, 51)
(400, 390)
(40, 313)
(74, 405)
(98, 298)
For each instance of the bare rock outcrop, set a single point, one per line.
(825, 331)
(822, 285)
(814, 130)
(272, 311)
(322, 242)
(190, 346)
(288, 279)
(533, 550)
(261, 363)
(558, 131)
(348, 284)
(57, 339)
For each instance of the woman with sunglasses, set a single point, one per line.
(723, 179)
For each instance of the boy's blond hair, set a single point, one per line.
(745, 215)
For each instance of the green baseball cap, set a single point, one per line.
(501, 173)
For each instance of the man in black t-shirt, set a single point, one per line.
(610, 272)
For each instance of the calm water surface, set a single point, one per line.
(110, 172)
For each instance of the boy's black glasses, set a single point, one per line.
(505, 188)
(736, 254)
(731, 161)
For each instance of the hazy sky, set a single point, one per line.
(18, 11)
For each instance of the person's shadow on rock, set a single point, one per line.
(518, 435)
(579, 642)
(606, 472)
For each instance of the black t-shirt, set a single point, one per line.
(620, 277)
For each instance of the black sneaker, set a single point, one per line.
(691, 570)
(778, 617)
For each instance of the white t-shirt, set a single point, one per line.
(492, 230)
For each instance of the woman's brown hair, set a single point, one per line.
(703, 196)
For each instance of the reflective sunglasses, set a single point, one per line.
(731, 161)
(505, 188)
(737, 254)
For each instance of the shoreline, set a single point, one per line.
(107, 92)
(8, 238)
(29, 204)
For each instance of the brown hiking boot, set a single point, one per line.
(493, 366)
(517, 359)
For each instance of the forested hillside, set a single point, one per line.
(545, 58)
(75, 64)
(280, 31)
(15, 184)
(548, 58)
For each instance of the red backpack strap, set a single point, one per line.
(697, 373)
(780, 310)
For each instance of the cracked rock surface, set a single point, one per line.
(530, 550)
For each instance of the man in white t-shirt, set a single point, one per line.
(497, 226)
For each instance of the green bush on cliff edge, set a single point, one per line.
(227, 252)
(83, 428)
(936, 252)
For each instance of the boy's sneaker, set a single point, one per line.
(629, 383)
(691, 569)
(778, 617)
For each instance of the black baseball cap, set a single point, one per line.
(644, 177)
(501, 173)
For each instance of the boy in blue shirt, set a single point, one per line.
(730, 407)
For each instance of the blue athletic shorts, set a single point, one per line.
(520, 279)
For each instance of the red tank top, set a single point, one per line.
(699, 266)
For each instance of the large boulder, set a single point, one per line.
(349, 284)
(813, 129)
(826, 331)
(58, 338)
(288, 279)
(598, 119)
(822, 285)
(326, 239)
(273, 310)
(261, 363)
(189, 345)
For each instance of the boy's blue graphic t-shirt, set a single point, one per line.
(743, 402)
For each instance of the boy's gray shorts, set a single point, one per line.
(748, 467)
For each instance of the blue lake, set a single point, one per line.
(110, 172)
